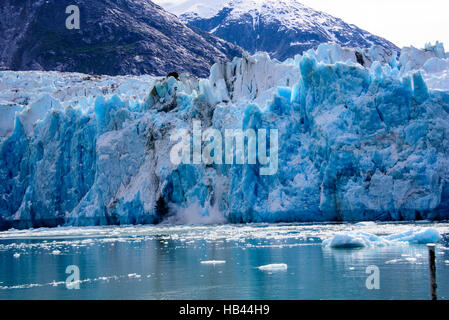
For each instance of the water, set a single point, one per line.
(164, 262)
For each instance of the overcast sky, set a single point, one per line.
(404, 22)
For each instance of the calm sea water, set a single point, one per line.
(165, 262)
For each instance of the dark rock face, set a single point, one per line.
(116, 37)
(282, 28)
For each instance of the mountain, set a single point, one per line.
(283, 28)
(116, 37)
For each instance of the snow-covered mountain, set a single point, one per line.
(283, 28)
(356, 142)
(116, 37)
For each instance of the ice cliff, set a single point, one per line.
(363, 135)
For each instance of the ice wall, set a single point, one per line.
(363, 135)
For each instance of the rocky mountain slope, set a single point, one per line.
(116, 37)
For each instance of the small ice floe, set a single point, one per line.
(392, 261)
(213, 262)
(366, 224)
(361, 239)
(274, 267)
(16, 255)
(134, 275)
(56, 252)
(57, 283)
(411, 260)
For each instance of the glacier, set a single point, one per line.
(363, 136)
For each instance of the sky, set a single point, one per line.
(404, 22)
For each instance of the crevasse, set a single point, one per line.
(363, 135)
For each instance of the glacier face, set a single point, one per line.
(363, 135)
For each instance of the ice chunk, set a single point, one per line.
(213, 262)
(360, 239)
(273, 267)
(418, 236)
(134, 276)
(354, 240)
(366, 224)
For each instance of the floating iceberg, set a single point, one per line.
(354, 240)
(360, 239)
(417, 236)
(363, 135)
